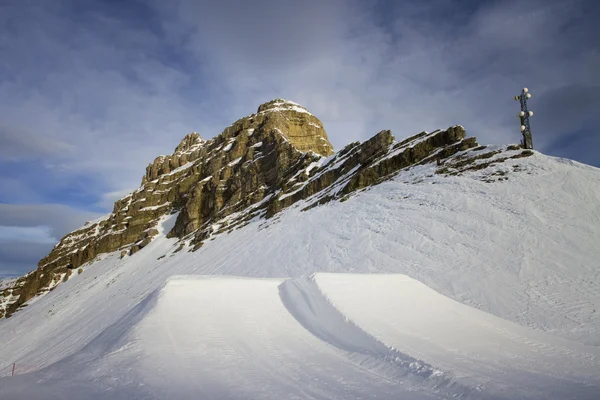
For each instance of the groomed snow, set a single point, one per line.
(333, 336)
(479, 349)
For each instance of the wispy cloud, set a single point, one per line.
(58, 218)
(34, 234)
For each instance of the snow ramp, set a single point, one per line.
(479, 349)
(330, 336)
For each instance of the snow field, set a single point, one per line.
(524, 250)
(331, 336)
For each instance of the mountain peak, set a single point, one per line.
(189, 143)
(294, 122)
(281, 105)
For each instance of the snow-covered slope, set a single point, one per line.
(333, 336)
(523, 249)
(483, 351)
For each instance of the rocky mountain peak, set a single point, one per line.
(281, 105)
(304, 131)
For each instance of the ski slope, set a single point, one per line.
(332, 336)
(481, 350)
(499, 292)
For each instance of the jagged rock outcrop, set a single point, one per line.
(257, 166)
(188, 150)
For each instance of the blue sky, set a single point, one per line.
(92, 91)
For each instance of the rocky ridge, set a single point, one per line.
(255, 168)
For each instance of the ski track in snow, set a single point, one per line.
(524, 250)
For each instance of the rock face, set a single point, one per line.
(256, 167)
(304, 131)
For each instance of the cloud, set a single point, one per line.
(22, 247)
(34, 234)
(85, 100)
(18, 144)
(28, 233)
(568, 109)
(20, 257)
(59, 219)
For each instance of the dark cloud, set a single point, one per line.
(269, 34)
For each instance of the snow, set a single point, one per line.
(151, 208)
(255, 145)
(228, 146)
(487, 351)
(487, 290)
(6, 282)
(235, 162)
(180, 168)
(97, 220)
(285, 105)
(272, 334)
(290, 102)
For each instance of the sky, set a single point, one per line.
(91, 91)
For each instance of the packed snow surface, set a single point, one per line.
(426, 287)
(331, 336)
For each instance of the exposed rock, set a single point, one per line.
(304, 130)
(478, 160)
(369, 163)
